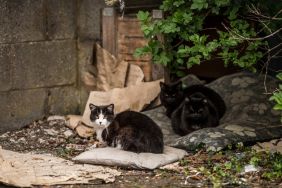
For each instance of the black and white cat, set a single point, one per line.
(128, 130)
(194, 113)
(101, 117)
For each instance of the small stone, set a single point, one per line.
(12, 140)
(40, 122)
(41, 141)
(236, 81)
(68, 133)
(52, 118)
(51, 132)
(76, 147)
(193, 139)
(216, 134)
(211, 148)
(250, 133)
(4, 135)
(250, 168)
(52, 123)
(22, 140)
(250, 80)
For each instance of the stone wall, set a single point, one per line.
(45, 45)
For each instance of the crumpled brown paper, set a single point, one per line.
(75, 123)
(113, 73)
(134, 98)
(117, 82)
(26, 170)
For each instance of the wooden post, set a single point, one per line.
(109, 30)
(158, 70)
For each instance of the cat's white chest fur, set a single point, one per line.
(99, 134)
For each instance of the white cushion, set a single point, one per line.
(116, 157)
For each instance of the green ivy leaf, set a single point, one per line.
(199, 4)
(141, 51)
(169, 27)
(279, 75)
(178, 3)
(164, 59)
(278, 107)
(233, 13)
(221, 3)
(143, 16)
(195, 60)
(180, 73)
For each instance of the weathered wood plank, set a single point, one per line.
(109, 30)
(130, 57)
(130, 27)
(129, 44)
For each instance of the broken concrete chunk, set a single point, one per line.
(54, 118)
(51, 132)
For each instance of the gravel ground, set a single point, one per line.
(54, 137)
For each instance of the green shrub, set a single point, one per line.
(182, 40)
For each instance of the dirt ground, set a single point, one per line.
(54, 137)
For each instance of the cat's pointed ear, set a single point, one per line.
(162, 85)
(187, 99)
(110, 108)
(179, 85)
(92, 106)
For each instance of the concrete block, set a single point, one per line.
(44, 64)
(63, 101)
(18, 108)
(87, 70)
(61, 19)
(21, 20)
(85, 54)
(5, 68)
(89, 19)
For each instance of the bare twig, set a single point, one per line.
(255, 11)
(252, 39)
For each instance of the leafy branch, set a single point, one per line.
(186, 43)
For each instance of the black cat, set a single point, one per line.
(172, 95)
(129, 130)
(195, 112)
(212, 97)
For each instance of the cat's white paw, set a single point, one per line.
(97, 145)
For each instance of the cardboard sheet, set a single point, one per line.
(25, 170)
(135, 98)
(116, 82)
